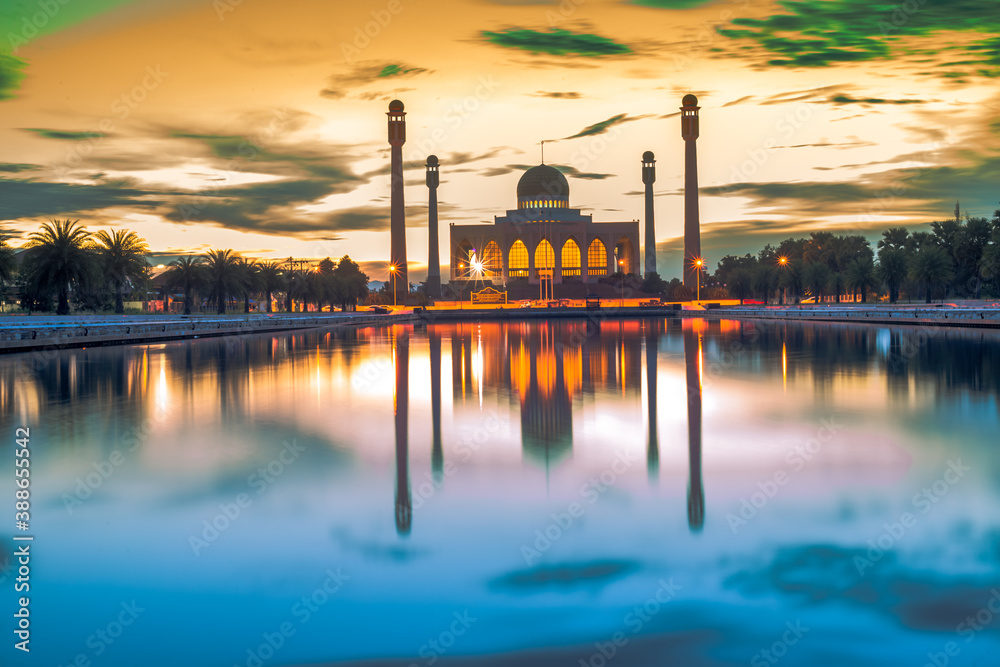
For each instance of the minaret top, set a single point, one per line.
(688, 101)
(395, 105)
(648, 168)
(689, 117)
(432, 171)
(397, 123)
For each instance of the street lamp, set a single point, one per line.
(698, 263)
(392, 270)
(783, 263)
(621, 263)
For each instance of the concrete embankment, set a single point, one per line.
(32, 333)
(984, 317)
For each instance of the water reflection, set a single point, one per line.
(693, 366)
(401, 408)
(373, 409)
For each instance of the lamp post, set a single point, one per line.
(392, 270)
(698, 263)
(783, 263)
(621, 263)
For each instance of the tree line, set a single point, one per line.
(64, 263)
(955, 259)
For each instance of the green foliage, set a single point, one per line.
(58, 259)
(931, 269)
(892, 270)
(225, 277)
(122, 258)
(187, 274)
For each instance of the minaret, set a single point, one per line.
(649, 177)
(433, 261)
(692, 230)
(397, 216)
(652, 357)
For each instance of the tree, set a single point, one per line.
(815, 277)
(791, 278)
(989, 267)
(294, 286)
(892, 270)
(122, 257)
(186, 274)
(764, 279)
(59, 259)
(270, 280)
(352, 283)
(894, 238)
(250, 280)
(860, 276)
(740, 284)
(931, 267)
(225, 278)
(8, 263)
(837, 283)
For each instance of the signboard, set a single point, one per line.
(489, 295)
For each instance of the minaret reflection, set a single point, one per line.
(693, 364)
(437, 455)
(653, 445)
(401, 400)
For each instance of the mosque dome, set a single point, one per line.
(544, 182)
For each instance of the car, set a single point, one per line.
(382, 310)
(525, 304)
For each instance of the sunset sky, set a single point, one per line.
(260, 125)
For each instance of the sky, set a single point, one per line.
(259, 125)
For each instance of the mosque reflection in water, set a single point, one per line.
(545, 366)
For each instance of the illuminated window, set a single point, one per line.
(545, 259)
(517, 260)
(492, 261)
(570, 258)
(597, 258)
(463, 256)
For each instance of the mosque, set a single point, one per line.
(543, 239)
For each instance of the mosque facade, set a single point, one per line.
(543, 239)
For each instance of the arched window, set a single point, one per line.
(570, 258)
(597, 258)
(545, 259)
(492, 261)
(517, 260)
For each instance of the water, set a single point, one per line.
(570, 493)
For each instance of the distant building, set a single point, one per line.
(543, 239)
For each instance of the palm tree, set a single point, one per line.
(815, 276)
(930, 268)
(250, 273)
(294, 285)
(892, 270)
(59, 259)
(860, 276)
(122, 256)
(186, 274)
(270, 280)
(7, 265)
(225, 279)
